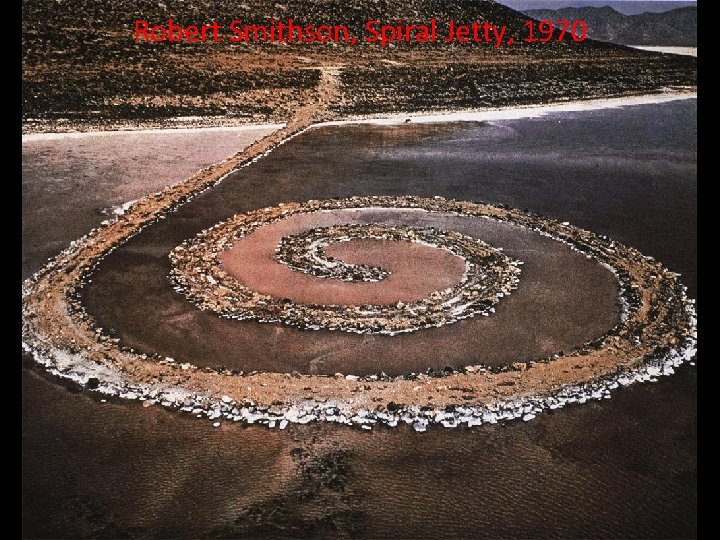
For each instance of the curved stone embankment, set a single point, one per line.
(197, 272)
(656, 334)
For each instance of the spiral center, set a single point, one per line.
(305, 252)
(312, 270)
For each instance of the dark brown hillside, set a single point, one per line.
(81, 65)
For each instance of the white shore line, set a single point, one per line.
(516, 112)
(32, 137)
(512, 112)
(667, 49)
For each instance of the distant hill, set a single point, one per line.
(623, 6)
(80, 63)
(677, 27)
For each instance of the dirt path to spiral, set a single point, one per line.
(49, 314)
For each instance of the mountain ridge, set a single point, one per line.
(677, 27)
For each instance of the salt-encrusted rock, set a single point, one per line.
(420, 426)
(490, 418)
(653, 371)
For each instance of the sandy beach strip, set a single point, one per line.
(33, 137)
